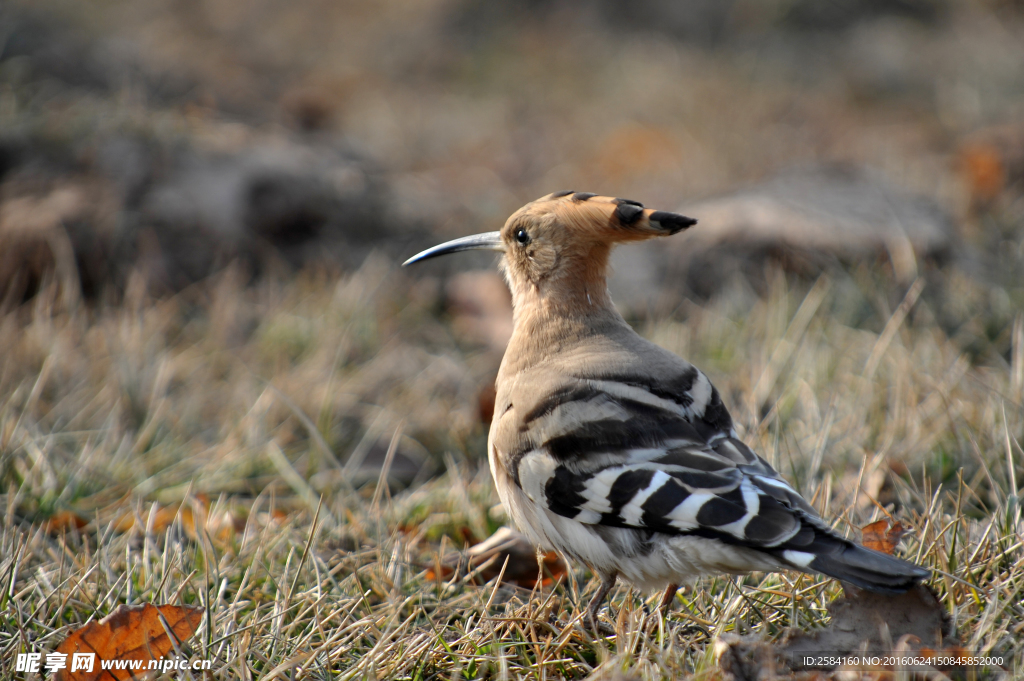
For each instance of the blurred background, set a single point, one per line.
(203, 204)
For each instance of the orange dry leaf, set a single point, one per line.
(222, 527)
(880, 537)
(485, 403)
(63, 521)
(982, 164)
(162, 519)
(164, 516)
(131, 632)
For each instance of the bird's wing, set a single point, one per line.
(645, 455)
(654, 450)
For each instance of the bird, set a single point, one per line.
(618, 453)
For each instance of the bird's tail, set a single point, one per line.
(860, 566)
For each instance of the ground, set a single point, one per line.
(215, 437)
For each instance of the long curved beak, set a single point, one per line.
(488, 241)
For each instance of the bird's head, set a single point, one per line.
(558, 245)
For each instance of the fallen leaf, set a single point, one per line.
(468, 538)
(897, 467)
(63, 521)
(881, 537)
(982, 165)
(485, 403)
(163, 517)
(131, 632)
(192, 516)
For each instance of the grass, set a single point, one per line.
(201, 440)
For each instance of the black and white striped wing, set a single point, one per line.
(623, 454)
(613, 453)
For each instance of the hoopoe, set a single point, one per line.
(615, 451)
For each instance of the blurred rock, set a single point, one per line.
(829, 208)
(410, 462)
(839, 15)
(180, 212)
(309, 108)
(803, 220)
(56, 58)
(910, 624)
(176, 193)
(702, 22)
(287, 199)
(743, 659)
(877, 619)
(53, 229)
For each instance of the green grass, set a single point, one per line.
(243, 404)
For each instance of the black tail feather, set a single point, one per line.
(860, 566)
(870, 570)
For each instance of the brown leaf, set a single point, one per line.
(468, 538)
(982, 165)
(485, 403)
(897, 467)
(164, 517)
(131, 632)
(63, 521)
(881, 537)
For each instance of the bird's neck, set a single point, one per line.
(551, 316)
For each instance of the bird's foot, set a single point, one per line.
(665, 606)
(594, 607)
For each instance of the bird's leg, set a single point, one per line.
(607, 582)
(666, 600)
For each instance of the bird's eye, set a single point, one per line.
(522, 237)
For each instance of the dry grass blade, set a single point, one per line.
(892, 326)
(389, 457)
